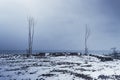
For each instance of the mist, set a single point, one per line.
(60, 25)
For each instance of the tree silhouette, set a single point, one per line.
(87, 34)
(31, 24)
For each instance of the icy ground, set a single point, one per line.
(58, 68)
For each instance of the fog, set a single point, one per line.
(60, 24)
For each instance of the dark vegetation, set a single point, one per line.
(47, 75)
(113, 77)
(64, 54)
(57, 54)
(40, 55)
(73, 54)
(68, 63)
(103, 58)
(86, 77)
(115, 53)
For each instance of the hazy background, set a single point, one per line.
(60, 24)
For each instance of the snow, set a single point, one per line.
(57, 68)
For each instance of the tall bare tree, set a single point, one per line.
(31, 25)
(87, 34)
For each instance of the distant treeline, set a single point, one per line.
(49, 51)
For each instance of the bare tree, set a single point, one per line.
(87, 34)
(115, 53)
(31, 24)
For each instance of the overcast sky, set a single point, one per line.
(60, 24)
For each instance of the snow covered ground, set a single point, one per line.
(18, 67)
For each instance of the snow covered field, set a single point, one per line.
(18, 67)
